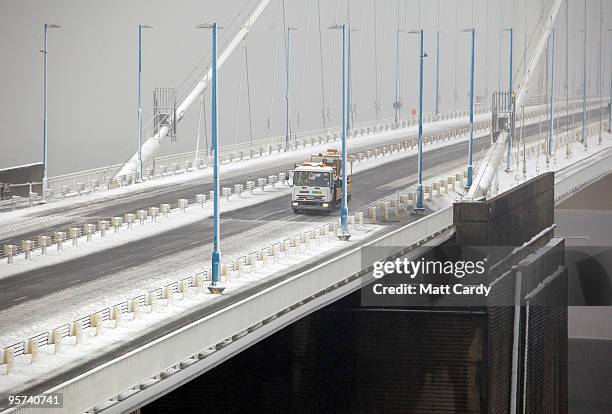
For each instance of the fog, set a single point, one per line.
(93, 66)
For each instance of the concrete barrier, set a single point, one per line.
(272, 180)
(153, 212)
(116, 222)
(183, 287)
(201, 199)
(129, 219)
(76, 330)
(226, 192)
(56, 339)
(43, 242)
(74, 233)
(9, 252)
(372, 214)
(26, 247)
(238, 189)
(103, 226)
(141, 215)
(250, 185)
(96, 321)
(261, 183)
(60, 236)
(168, 294)
(8, 359)
(116, 315)
(133, 307)
(31, 348)
(165, 209)
(151, 301)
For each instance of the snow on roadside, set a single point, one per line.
(537, 166)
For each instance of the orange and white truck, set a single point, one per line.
(317, 184)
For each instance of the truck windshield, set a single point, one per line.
(311, 179)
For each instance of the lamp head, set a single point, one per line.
(204, 25)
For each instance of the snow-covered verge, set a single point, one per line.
(536, 161)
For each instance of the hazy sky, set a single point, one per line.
(93, 61)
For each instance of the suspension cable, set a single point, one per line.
(269, 121)
(197, 150)
(237, 118)
(205, 126)
(246, 60)
(305, 60)
(321, 64)
(377, 93)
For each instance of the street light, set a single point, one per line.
(45, 153)
(287, 132)
(214, 286)
(140, 27)
(343, 231)
(422, 55)
(471, 141)
(510, 93)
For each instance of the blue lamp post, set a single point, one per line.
(471, 141)
(140, 27)
(510, 91)
(343, 231)
(422, 55)
(45, 154)
(215, 286)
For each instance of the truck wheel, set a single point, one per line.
(296, 211)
